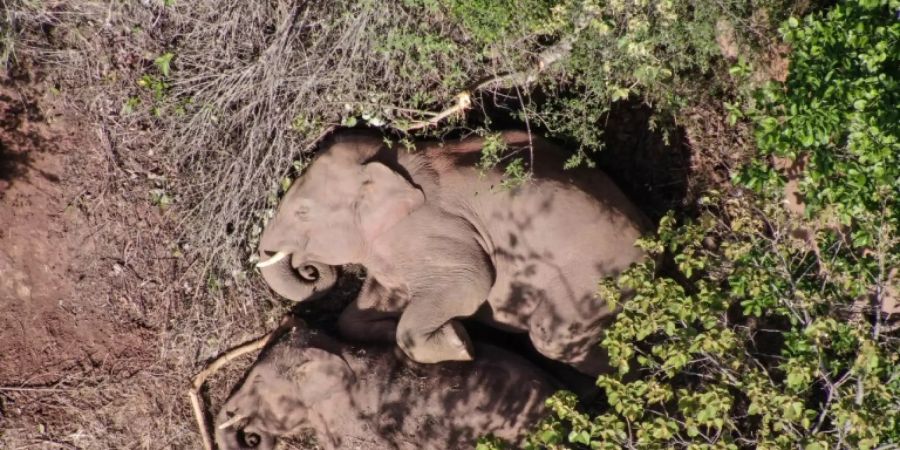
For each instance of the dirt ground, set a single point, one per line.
(96, 343)
(61, 271)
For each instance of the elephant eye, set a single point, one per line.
(303, 209)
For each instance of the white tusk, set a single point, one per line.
(274, 259)
(228, 423)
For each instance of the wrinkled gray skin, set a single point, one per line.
(376, 398)
(440, 242)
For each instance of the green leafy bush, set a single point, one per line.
(838, 113)
(497, 21)
(774, 331)
(793, 366)
(667, 53)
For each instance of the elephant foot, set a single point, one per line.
(450, 342)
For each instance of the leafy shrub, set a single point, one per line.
(504, 21)
(773, 332)
(838, 113)
(665, 52)
(794, 367)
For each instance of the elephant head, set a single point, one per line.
(345, 199)
(283, 391)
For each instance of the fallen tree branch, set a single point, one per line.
(552, 55)
(546, 59)
(214, 366)
(463, 102)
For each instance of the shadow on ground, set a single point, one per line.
(19, 141)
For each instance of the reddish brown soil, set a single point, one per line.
(35, 329)
(51, 325)
(103, 322)
(83, 265)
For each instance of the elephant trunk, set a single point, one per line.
(296, 282)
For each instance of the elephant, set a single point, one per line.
(373, 397)
(442, 240)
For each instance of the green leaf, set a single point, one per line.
(163, 63)
(286, 183)
(549, 436)
(580, 437)
(620, 93)
(129, 106)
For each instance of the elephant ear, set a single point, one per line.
(321, 375)
(355, 147)
(385, 199)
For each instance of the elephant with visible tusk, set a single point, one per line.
(305, 281)
(371, 397)
(441, 240)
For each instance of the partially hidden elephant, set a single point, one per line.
(442, 240)
(373, 397)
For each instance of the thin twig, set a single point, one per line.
(26, 389)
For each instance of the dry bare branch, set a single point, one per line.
(463, 102)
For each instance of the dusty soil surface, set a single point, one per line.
(87, 278)
(53, 323)
(103, 319)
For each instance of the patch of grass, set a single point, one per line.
(501, 22)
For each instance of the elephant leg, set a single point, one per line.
(448, 342)
(446, 275)
(427, 331)
(372, 316)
